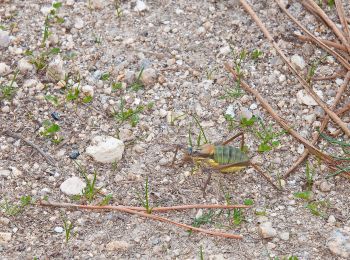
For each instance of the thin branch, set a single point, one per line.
(343, 110)
(343, 61)
(47, 157)
(330, 77)
(306, 86)
(342, 18)
(142, 214)
(326, 42)
(329, 22)
(323, 126)
(279, 120)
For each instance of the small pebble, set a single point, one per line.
(74, 154)
(55, 115)
(58, 229)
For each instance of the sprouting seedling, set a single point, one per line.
(137, 85)
(67, 227)
(12, 209)
(268, 138)
(145, 200)
(50, 130)
(118, 9)
(106, 200)
(40, 61)
(309, 171)
(205, 218)
(131, 115)
(201, 132)
(311, 72)
(8, 91)
(201, 253)
(256, 54)
(51, 17)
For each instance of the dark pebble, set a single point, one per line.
(55, 115)
(74, 154)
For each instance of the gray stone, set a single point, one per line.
(339, 242)
(55, 71)
(149, 76)
(5, 237)
(106, 149)
(140, 6)
(4, 69)
(117, 245)
(24, 66)
(266, 230)
(325, 186)
(284, 236)
(73, 186)
(304, 98)
(4, 39)
(298, 61)
(79, 23)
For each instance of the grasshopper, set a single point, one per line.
(223, 158)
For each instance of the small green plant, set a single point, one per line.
(116, 86)
(230, 122)
(237, 216)
(8, 91)
(50, 18)
(312, 70)
(268, 138)
(73, 94)
(106, 200)
(137, 85)
(105, 76)
(52, 99)
(205, 218)
(248, 122)
(68, 227)
(118, 9)
(310, 172)
(12, 209)
(201, 253)
(50, 131)
(248, 202)
(131, 115)
(305, 195)
(145, 200)
(256, 54)
(285, 258)
(40, 60)
(316, 208)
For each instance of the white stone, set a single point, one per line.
(30, 83)
(271, 245)
(325, 186)
(331, 219)
(5, 237)
(106, 149)
(245, 113)
(339, 82)
(4, 39)
(284, 236)
(230, 111)
(58, 229)
(79, 23)
(4, 69)
(140, 6)
(5, 109)
(310, 118)
(266, 230)
(149, 76)
(339, 243)
(89, 90)
(55, 71)
(4, 173)
(304, 98)
(24, 66)
(298, 61)
(225, 50)
(73, 186)
(117, 245)
(253, 106)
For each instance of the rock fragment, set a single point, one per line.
(106, 149)
(73, 186)
(266, 230)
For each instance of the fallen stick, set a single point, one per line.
(334, 76)
(342, 18)
(343, 110)
(326, 42)
(329, 22)
(306, 86)
(323, 126)
(47, 157)
(279, 120)
(142, 214)
(341, 59)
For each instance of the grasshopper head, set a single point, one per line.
(205, 150)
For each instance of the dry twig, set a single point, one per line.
(326, 42)
(323, 126)
(342, 18)
(279, 120)
(306, 86)
(47, 157)
(135, 211)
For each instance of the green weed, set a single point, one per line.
(128, 114)
(145, 202)
(40, 61)
(50, 18)
(310, 172)
(68, 227)
(256, 54)
(205, 218)
(8, 91)
(268, 138)
(50, 130)
(137, 85)
(305, 195)
(201, 253)
(12, 209)
(106, 200)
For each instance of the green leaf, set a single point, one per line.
(248, 202)
(264, 148)
(116, 86)
(305, 195)
(53, 128)
(52, 99)
(87, 99)
(248, 122)
(55, 51)
(57, 5)
(105, 76)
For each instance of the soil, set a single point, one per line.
(182, 47)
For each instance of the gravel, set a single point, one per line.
(180, 47)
